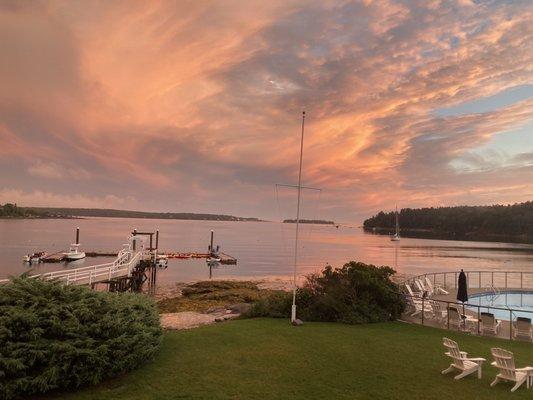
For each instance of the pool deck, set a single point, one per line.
(472, 291)
(472, 326)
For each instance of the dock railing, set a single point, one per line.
(124, 264)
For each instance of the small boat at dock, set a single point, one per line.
(162, 261)
(74, 252)
(34, 258)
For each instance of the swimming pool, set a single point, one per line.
(519, 301)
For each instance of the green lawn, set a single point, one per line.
(269, 359)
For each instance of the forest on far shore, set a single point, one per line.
(512, 222)
(11, 210)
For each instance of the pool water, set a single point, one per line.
(520, 302)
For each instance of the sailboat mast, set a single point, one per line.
(397, 223)
(293, 313)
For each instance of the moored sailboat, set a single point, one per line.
(396, 236)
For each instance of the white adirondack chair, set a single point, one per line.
(460, 361)
(439, 311)
(504, 361)
(435, 289)
(522, 329)
(413, 293)
(417, 304)
(456, 320)
(421, 288)
(490, 325)
(426, 307)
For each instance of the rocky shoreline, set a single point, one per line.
(190, 305)
(207, 302)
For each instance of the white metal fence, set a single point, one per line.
(443, 311)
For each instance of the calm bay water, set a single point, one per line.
(263, 249)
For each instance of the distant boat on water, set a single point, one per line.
(396, 236)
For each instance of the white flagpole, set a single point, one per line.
(293, 311)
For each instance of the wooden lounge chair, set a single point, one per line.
(522, 329)
(504, 361)
(490, 325)
(460, 361)
(435, 289)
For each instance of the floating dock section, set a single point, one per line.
(224, 258)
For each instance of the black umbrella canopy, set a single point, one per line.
(462, 288)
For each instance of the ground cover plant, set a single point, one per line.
(205, 295)
(57, 336)
(355, 293)
(270, 359)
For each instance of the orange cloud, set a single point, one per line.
(195, 106)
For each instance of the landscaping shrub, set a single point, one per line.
(54, 336)
(276, 305)
(355, 293)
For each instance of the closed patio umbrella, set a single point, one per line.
(462, 289)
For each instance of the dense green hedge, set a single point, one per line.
(54, 336)
(355, 293)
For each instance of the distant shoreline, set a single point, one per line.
(43, 217)
(439, 235)
(309, 221)
(112, 213)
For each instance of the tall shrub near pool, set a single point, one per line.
(54, 336)
(354, 293)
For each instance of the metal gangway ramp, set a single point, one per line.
(122, 267)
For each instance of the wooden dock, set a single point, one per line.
(225, 259)
(53, 258)
(59, 256)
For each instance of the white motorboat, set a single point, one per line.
(396, 236)
(162, 261)
(33, 258)
(74, 253)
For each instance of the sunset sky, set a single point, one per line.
(195, 106)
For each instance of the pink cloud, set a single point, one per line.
(195, 106)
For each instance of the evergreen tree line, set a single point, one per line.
(510, 220)
(10, 210)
